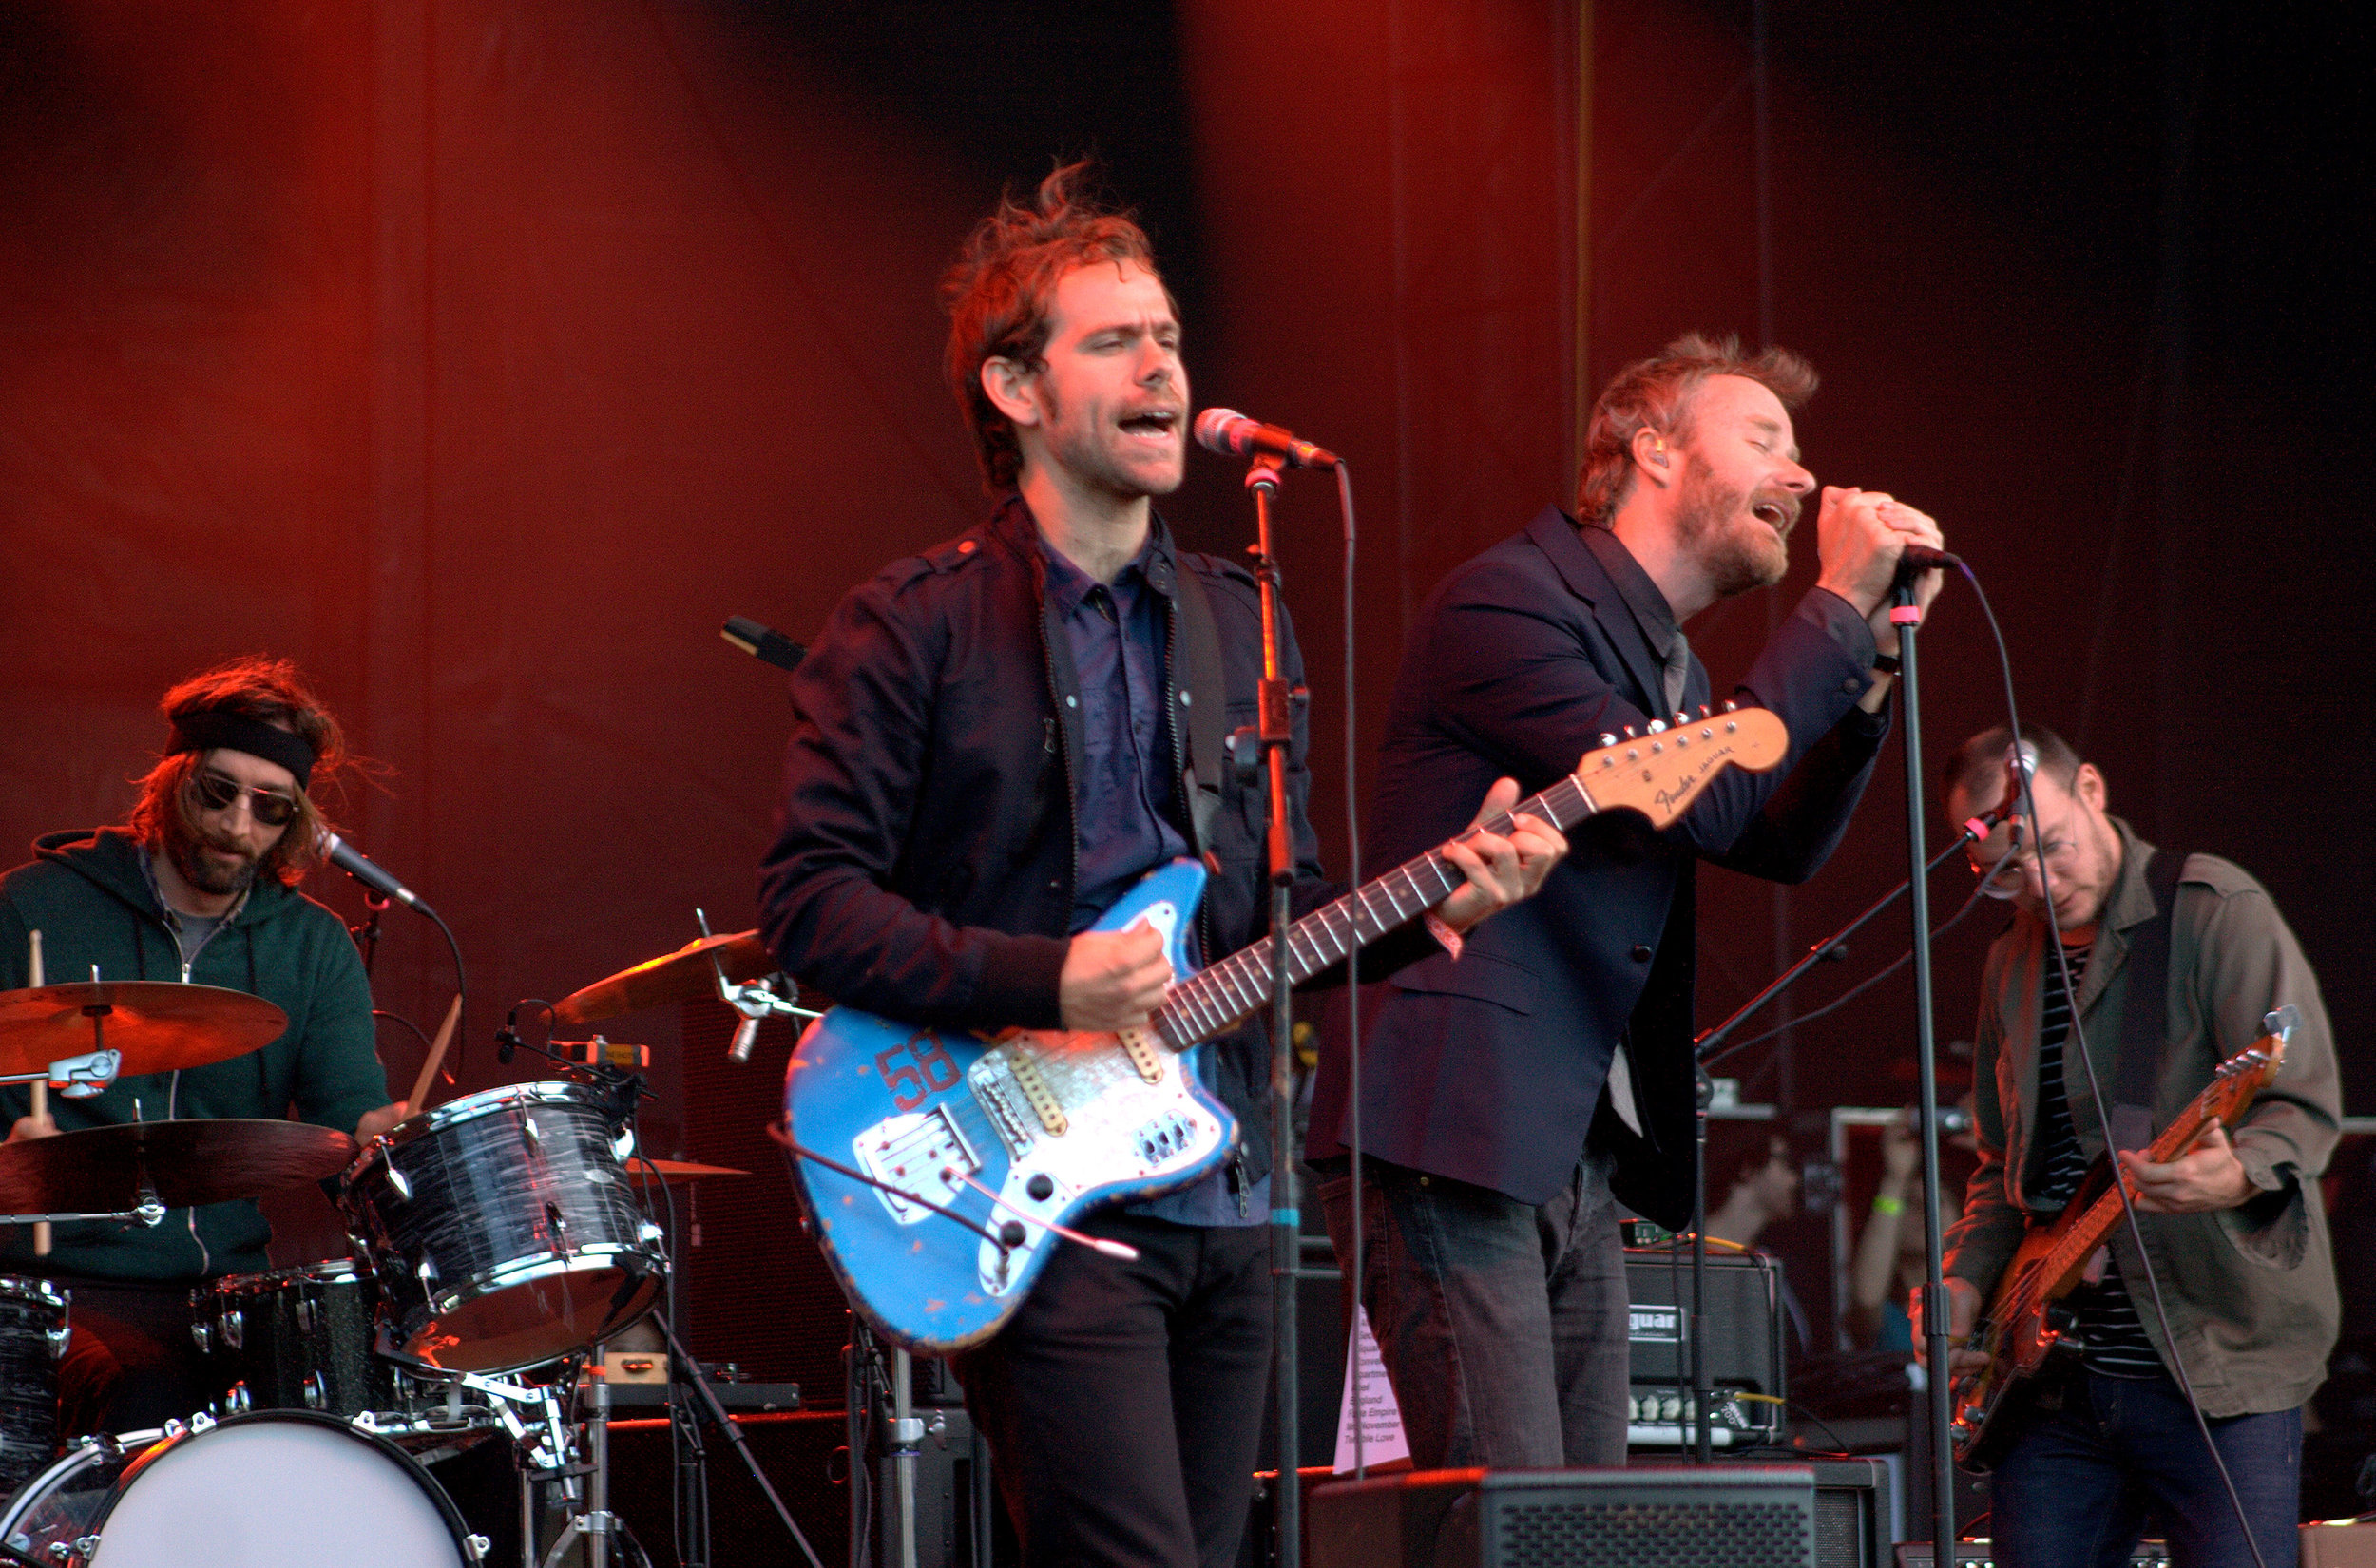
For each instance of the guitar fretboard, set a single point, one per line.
(1213, 1001)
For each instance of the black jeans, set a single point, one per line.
(1123, 1402)
(1502, 1325)
(2075, 1488)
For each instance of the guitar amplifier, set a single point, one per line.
(1741, 1336)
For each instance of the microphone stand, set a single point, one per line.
(1278, 731)
(1709, 1048)
(1907, 617)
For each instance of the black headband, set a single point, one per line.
(218, 727)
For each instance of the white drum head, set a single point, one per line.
(278, 1490)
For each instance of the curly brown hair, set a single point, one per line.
(1656, 395)
(1001, 288)
(271, 691)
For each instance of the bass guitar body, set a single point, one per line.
(1052, 1123)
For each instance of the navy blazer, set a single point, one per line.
(1488, 1069)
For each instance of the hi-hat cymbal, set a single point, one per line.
(96, 1169)
(679, 976)
(677, 1172)
(160, 1026)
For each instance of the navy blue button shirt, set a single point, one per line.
(1117, 637)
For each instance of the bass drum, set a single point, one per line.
(273, 1489)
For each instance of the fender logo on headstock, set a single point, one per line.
(1682, 790)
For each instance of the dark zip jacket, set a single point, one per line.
(91, 897)
(925, 866)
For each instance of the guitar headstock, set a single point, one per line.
(1660, 773)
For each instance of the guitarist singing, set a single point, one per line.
(2234, 1226)
(995, 740)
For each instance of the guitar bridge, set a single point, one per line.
(923, 1158)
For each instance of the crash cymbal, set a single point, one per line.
(160, 1026)
(677, 1172)
(96, 1171)
(679, 976)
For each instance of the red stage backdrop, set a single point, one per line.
(484, 356)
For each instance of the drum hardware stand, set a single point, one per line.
(686, 1372)
(75, 1076)
(776, 996)
(901, 1434)
(595, 1521)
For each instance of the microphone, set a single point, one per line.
(352, 861)
(763, 642)
(1922, 558)
(1232, 434)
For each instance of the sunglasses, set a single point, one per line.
(216, 793)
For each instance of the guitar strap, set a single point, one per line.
(1205, 697)
(2145, 1018)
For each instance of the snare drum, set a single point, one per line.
(502, 1229)
(33, 1340)
(274, 1490)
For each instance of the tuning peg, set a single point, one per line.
(1731, 707)
(1703, 709)
(1657, 726)
(1629, 732)
(1607, 739)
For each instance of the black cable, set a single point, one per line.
(462, 991)
(1971, 903)
(418, 1033)
(681, 1506)
(1352, 996)
(782, 1135)
(2095, 1085)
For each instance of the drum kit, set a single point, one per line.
(499, 1241)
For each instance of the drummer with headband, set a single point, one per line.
(199, 887)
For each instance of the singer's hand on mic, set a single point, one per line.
(1858, 536)
(1912, 527)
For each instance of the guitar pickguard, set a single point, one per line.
(925, 1157)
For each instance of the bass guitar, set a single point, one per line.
(2025, 1334)
(938, 1166)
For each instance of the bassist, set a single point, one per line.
(2104, 1443)
(994, 743)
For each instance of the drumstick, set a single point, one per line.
(436, 1055)
(41, 1091)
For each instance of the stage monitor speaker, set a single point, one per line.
(1855, 1513)
(1676, 1516)
(1741, 1338)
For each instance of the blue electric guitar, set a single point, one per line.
(1018, 1133)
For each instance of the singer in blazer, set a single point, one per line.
(1492, 1275)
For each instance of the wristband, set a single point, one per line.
(1884, 1204)
(1887, 663)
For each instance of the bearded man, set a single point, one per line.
(200, 887)
(1507, 1098)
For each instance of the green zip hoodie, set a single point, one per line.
(91, 896)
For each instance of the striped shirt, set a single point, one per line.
(2106, 1318)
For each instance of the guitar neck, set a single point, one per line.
(2224, 1099)
(1215, 999)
